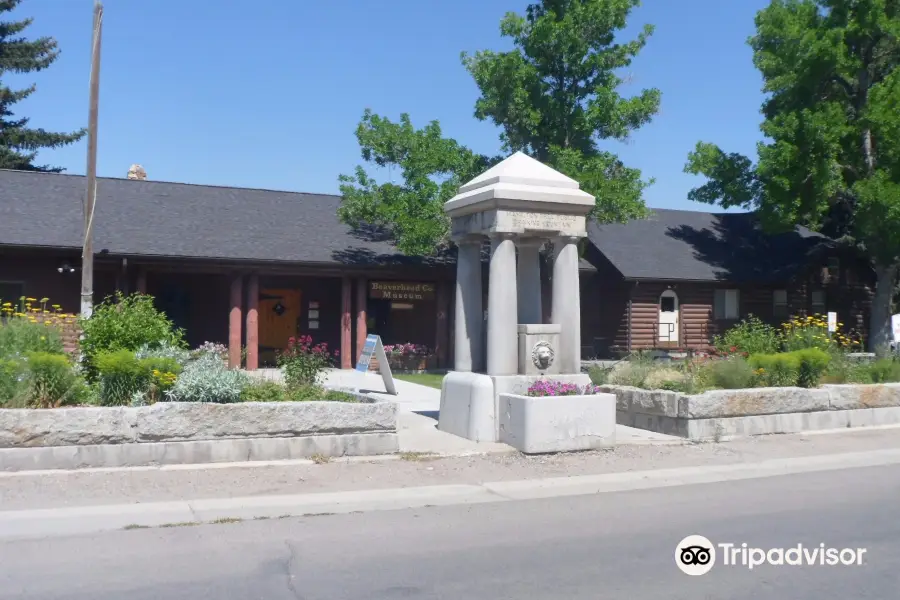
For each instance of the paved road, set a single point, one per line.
(610, 546)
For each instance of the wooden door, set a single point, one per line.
(279, 319)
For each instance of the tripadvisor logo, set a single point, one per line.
(697, 555)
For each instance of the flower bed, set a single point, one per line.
(555, 416)
(408, 357)
(801, 353)
(714, 414)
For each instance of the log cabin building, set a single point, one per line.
(251, 268)
(678, 278)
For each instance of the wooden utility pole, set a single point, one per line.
(87, 252)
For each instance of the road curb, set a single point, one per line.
(95, 519)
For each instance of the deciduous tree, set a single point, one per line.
(19, 143)
(555, 96)
(831, 155)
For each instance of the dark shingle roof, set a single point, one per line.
(155, 218)
(699, 246)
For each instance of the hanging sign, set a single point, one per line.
(374, 347)
(401, 290)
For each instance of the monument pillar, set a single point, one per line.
(566, 304)
(529, 284)
(502, 342)
(469, 320)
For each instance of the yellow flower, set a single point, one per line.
(30, 300)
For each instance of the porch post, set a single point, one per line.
(442, 335)
(142, 281)
(234, 323)
(253, 322)
(346, 339)
(362, 298)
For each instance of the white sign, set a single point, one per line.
(832, 322)
(895, 325)
(374, 347)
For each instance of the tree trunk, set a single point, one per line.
(880, 331)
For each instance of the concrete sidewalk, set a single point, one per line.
(20, 524)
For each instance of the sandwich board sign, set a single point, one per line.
(374, 347)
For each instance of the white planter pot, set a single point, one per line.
(536, 425)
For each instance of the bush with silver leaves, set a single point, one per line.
(207, 379)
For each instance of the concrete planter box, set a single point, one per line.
(183, 433)
(758, 411)
(536, 425)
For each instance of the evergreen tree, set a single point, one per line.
(19, 144)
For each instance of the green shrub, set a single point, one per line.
(125, 323)
(271, 391)
(51, 381)
(11, 380)
(751, 336)
(303, 362)
(122, 377)
(207, 379)
(633, 372)
(811, 366)
(775, 370)
(307, 393)
(731, 373)
(264, 391)
(842, 369)
(19, 336)
(885, 370)
(599, 375)
(166, 350)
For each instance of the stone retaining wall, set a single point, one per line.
(756, 411)
(182, 421)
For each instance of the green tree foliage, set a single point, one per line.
(554, 96)
(831, 159)
(20, 144)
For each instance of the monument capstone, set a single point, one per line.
(519, 205)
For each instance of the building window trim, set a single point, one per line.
(818, 301)
(780, 303)
(727, 304)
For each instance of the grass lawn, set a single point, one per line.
(429, 379)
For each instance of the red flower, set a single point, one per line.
(733, 349)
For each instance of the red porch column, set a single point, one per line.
(346, 338)
(253, 322)
(362, 297)
(142, 281)
(234, 323)
(442, 335)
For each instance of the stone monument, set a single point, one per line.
(520, 204)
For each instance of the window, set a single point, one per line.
(780, 303)
(667, 304)
(817, 302)
(834, 268)
(726, 305)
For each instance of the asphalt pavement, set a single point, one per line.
(611, 546)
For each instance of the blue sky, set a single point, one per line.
(268, 94)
